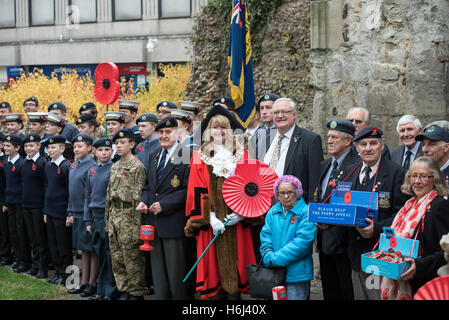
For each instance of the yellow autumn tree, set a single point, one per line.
(73, 90)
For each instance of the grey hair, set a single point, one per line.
(367, 114)
(409, 118)
(290, 101)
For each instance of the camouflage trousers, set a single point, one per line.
(128, 262)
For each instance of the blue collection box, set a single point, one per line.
(385, 268)
(346, 207)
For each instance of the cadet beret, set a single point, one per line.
(182, 115)
(31, 137)
(102, 142)
(14, 139)
(435, 133)
(57, 106)
(341, 125)
(32, 98)
(124, 133)
(116, 116)
(225, 100)
(55, 140)
(168, 122)
(127, 104)
(368, 132)
(190, 106)
(267, 97)
(147, 117)
(88, 106)
(37, 116)
(82, 137)
(54, 118)
(85, 118)
(166, 103)
(14, 117)
(4, 105)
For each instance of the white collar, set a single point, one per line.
(414, 149)
(59, 160)
(373, 168)
(288, 134)
(34, 158)
(13, 160)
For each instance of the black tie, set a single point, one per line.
(407, 160)
(366, 178)
(161, 165)
(334, 170)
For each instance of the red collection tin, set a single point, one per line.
(279, 293)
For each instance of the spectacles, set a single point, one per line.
(356, 121)
(281, 112)
(163, 112)
(286, 193)
(422, 177)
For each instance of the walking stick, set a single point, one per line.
(204, 252)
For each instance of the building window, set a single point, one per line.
(174, 8)
(42, 12)
(7, 14)
(127, 9)
(86, 10)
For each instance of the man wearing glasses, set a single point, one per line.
(164, 108)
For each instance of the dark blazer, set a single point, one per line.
(303, 159)
(170, 192)
(398, 153)
(333, 240)
(389, 179)
(436, 224)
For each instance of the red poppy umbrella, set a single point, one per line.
(250, 190)
(436, 289)
(107, 87)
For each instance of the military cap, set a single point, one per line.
(37, 116)
(32, 98)
(85, 118)
(368, 132)
(55, 140)
(31, 137)
(14, 117)
(88, 106)
(190, 106)
(147, 117)
(124, 133)
(5, 105)
(267, 97)
(54, 118)
(83, 137)
(14, 139)
(57, 106)
(166, 103)
(182, 115)
(127, 104)
(102, 142)
(341, 125)
(435, 133)
(168, 122)
(115, 115)
(226, 101)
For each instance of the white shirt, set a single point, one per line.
(59, 160)
(284, 148)
(13, 160)
(414, 150)
(34, 158)
(169, 153)
(371, 174)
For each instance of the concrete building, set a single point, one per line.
(79, 34)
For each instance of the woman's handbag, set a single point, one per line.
(262, 279)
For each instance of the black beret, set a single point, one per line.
(102, 142)
(166, 103)
(57, 106)
(31, 137)
(124, 133)
(4, 105)
(147, 117)
(34, 99)
(267, 97)
(225, 100)
(14, 139)
(55, 140)
(168, 122)
(368, 132)
(88, 106)
(85, 118)
(341, 125)
(82, 137)
(435, 133)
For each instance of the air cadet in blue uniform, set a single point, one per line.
(69, 131)
(33, 188)
(147, 123)
(94, 209)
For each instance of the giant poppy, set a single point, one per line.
(107, 87)
(249, 191)
(436, 289)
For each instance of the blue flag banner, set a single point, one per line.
(240, 62)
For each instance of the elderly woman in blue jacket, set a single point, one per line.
(287, 237)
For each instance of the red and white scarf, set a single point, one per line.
(404, 224)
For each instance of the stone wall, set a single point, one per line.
(391, 57)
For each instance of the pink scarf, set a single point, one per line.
(404, 224)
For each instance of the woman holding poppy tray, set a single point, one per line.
(426, 217)
(287, 237)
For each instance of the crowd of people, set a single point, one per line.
(83, 191)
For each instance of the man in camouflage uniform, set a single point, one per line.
(123, 222)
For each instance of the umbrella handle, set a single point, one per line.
(204, 252)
